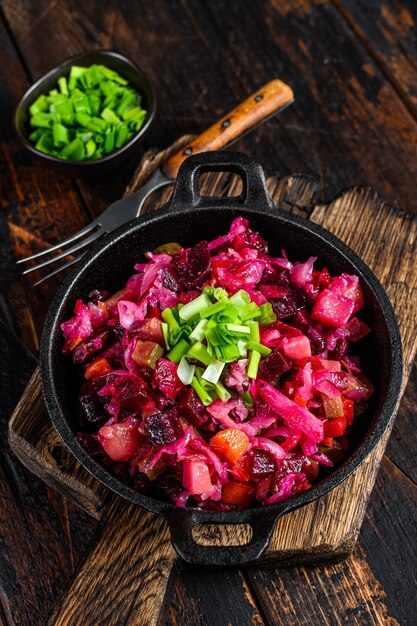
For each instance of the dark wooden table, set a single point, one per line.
(353, 67)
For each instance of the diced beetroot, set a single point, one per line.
(317, 341)
(149, 329)
(169, 488)
(146, 353)
(196, 477)
(193, 266)
(191, 408)
(171, 280)
(273, 291)
(166, 380)
(332, 308)
(91, 444)
(187, 296)
(91, 346)
(132, 393)
(357, 329)
(289, 305)
(340, 349)
(163, 428)
(120, 441)
(262, 464)
(90, 404)
(297, 347)
(273, 366)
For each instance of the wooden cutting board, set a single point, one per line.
(134, 545)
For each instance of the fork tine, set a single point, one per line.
(82, 244)
(73, 237)
(59, 269)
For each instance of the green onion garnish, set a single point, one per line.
(93, 99)
(193, 308)
(178, 351)
(253, 365)
(204, 396)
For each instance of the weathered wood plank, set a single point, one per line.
(388, 30)
(43, 535)
(348, 125)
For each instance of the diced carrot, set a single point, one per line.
(327, 441)
(230, 444)
(238, 493)
(98, 367)
(300, 401)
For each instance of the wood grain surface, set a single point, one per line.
(352, 65)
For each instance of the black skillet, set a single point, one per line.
(189, 218)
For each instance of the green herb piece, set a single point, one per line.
(259, 347)
(253, 364)
(178, 351)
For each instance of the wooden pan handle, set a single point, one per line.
(124, 579)
(257, 108)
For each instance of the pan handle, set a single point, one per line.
(186, 193)
(182, 522)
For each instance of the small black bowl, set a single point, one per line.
(113, 60)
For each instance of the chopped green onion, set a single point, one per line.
(259, 347)
(249, 311)
(62, 84)
(241, 346)
(168, 317)
(240, 298)
(198, 333)
(199, 352)
(222, 392)
(204, 396)
(212, 309)
(165, 332)
(236, 328)
(60, 135)
(220, 293)
(178, 351)
(267, 314)
(254, 331)
(253, 364)
(95, 99)
(193, 308)
(213, 371)
(248, 399)
(183, 332)
(185, 371)
(229, 353)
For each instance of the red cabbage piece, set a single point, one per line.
(293, 414)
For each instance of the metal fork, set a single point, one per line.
(115, 215)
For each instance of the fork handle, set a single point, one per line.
(262, 104)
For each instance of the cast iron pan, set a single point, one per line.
(189, 218)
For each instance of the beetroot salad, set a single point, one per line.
(220, 377)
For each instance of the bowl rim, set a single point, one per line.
(61, 68)
(382, 419)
